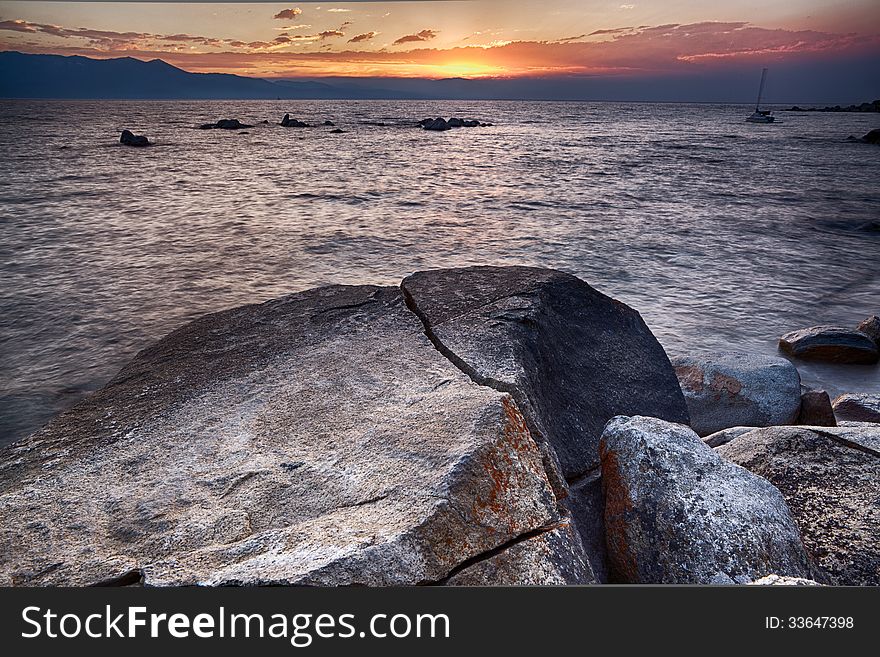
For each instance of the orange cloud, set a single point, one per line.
(288, 14)
(424, 35)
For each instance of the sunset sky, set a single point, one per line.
(475, 38)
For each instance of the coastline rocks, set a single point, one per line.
(871, 328)
(829, 477)
(287, 122)
(857, 408)
(571, 357)
(732, 389)
(225, 124)
(128, 138)
(862, 107)
(317, 439)
(816, 410)
(830, 343)
(676, 512)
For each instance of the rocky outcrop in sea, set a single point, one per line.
(487, 425)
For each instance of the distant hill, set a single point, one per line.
(56, 76)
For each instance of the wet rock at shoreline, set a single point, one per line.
(732, 389)
(128, 138)
(225, 124)
(829, 477)
(857, 407)
(833, 344)
(287, 122)
(676, 512)
(816, 409)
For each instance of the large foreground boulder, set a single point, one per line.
(733, 389)
(571, 357)
(857, 407)
(830, 477)
(834, 344)
(316, 439)
(676, 512)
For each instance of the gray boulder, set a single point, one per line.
(571, 357)
(816, 410)
(857, 407)
(833, 344)
(676, 512)
(733, 389)
(316, 439)
(871, 328)
(128, 138)
(829, 477)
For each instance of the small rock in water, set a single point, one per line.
(833, 344)
(329, 123)
(871, 325)
(816, 409)
(128, 138)
(288, 122)
(337, 131)
(225, 124)
(732, 389)
(676, 512)
(440, 123)
(857, 408)
(873, 137)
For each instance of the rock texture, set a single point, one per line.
(549, 558)
(732, 389)
(571, 357)
(857, 408)
(829, 477)
(316, 439)
(676, 512)
(816, 409)
(834, 344)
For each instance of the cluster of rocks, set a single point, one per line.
(440, 124)
(488, 425)
(862, 107)
(835, 344)
(225, 124)
(128, 138)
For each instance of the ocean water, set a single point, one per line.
(723, 234)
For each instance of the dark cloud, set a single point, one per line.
(571, 38)
(424, 35)
(329, 34)
(366, 36)
(288, 14)
(614, 30)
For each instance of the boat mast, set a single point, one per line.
(761, 89)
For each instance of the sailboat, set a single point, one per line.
(761, 116)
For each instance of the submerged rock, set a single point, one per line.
(128, 138)
(857, 407)
(442, 124)
(676, 512)
(226, 124)
(830, 343)
(732, 389)
(829, 477)
(816, 409)
(337, 131)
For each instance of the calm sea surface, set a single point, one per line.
(722, 234)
